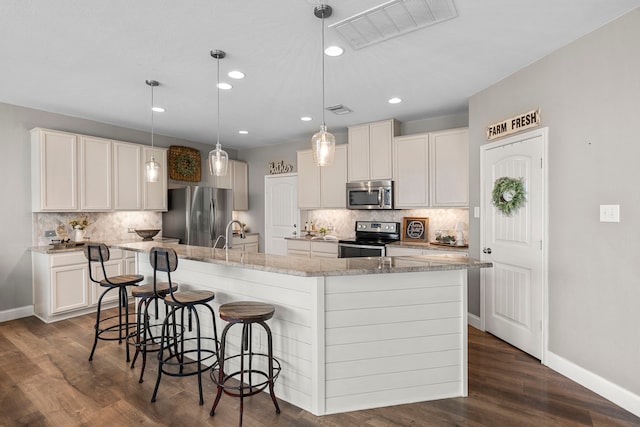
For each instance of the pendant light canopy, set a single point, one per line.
(152, 167)
(323, 143)
(218, 158)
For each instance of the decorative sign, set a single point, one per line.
(276, 168)
(415, 229)
(514, 124)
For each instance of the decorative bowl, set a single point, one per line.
(147, 233)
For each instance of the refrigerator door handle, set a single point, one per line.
(212, 219)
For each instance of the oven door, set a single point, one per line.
(354, 250)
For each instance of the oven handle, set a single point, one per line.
(355, 245)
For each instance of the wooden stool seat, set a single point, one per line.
(186, 298)
(121, 280)
(246, 312)
(146, 291)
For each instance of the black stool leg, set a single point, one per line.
(223, 340)
(270, 353)
(97, 327)
(165, 326)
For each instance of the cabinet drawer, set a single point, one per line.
(294, 252)
(67, 258)
(324, 247)
(300, 245)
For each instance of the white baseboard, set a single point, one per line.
(16, 313)
(605, 388)
(474, 321)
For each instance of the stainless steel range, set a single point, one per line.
(371, 237)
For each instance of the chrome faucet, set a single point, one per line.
(229, 237)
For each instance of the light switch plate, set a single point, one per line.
(609, 213)
(476, 211)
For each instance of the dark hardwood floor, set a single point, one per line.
(46, 380)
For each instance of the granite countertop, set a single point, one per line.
(311, 267)
(429, 246)
(51, 250)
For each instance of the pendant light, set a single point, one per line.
(218, 158)
(323, 143)
(152, 167)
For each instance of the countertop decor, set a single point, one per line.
(184, 163)
(415, 229)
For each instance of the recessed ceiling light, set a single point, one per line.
(243, 132)
(305, 119)
(158, 109)
(334, 51)
(394, 101)
(224, 86)
(236, 74)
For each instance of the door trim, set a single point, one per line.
(544, 133)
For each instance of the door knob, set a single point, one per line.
(487, 250)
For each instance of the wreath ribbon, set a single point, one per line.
(508, 194)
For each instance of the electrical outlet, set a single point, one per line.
(132, 230)
(50, 233)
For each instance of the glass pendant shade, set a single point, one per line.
(218, 161)
(323, 146)
(153, 170)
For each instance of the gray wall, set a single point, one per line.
(15, 164)
(589, 94)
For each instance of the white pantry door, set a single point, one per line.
(514, 287)
(281, 214)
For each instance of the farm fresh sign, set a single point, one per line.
(514, 124)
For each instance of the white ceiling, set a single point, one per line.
(90, 59)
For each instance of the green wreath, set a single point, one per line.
(185, 165)
(508, 194)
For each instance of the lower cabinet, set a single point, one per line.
(248, 244)
(312, 248)
(62, 287)
(401, 251)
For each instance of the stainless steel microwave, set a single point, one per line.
(370, 195)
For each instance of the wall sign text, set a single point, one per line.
(279, 167)
(514, 124)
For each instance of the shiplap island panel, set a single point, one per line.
(350, 333)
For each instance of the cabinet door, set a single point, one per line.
(449, 168)
(155, 193)
(380, 150)
(251, 247)
(240, 186)
(358, 159)
(308, 181)
(69, 288)
(411, 155)
(54, 171)
(95, 174)
(127, 176)
(333, 181)
(397, 251)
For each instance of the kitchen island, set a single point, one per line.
(350, 333)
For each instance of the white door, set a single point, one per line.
(514, 287)
(280, 211)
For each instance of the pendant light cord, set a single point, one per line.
(218, 96)
(152, 116)
(322, 52)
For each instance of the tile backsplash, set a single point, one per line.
(103, 226)
(343, 220)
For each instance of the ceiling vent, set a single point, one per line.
(391, 19)
(339, 109)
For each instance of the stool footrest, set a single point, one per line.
(247, 389)
(174, 364)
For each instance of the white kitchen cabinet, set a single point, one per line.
(95, 174)
(392, 250)
(449, 168)
(312, 248)
(236, 179)
(411, 175)
(432, 169)
(248, 244)
(322, 187)
(54, 172)
(61, 284)
(154, 194)
(370, 150)
(127, 176)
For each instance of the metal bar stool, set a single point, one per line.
(146, 337)
(105, 328)
(246, 313)
(175, 358)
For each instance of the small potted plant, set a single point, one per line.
(78, 225)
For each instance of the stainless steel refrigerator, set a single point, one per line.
(198, 215)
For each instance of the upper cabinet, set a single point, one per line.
(83, 173)
(322, 187)
(236, 179)
(370, 150)
(54, 171)
(432, 169)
